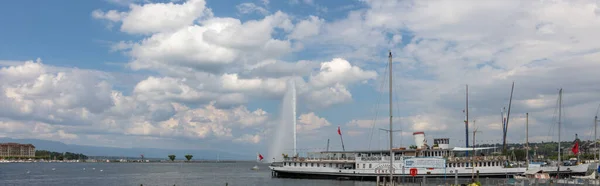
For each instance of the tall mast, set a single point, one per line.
(595, 137)
(595, 129)
(559, 118)
(467, 120)
(391, 136)
(527, 138)
(507, 117)
(294, 112)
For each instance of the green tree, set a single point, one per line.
(413, 147)
(172, 157)
(188, 157)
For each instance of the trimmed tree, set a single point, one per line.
(172, 157)
(188, 157)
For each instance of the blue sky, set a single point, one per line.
(175, 74)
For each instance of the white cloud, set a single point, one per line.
(340, 71)
(309, 122)
(326, 97)
(156, 17)
(247, 138)
(248, 8)
(307, 28)
(67, 104)
(111, 15)
(218, 43)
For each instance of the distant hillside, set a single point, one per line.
(126, 152)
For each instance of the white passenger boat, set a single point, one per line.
(439, 161)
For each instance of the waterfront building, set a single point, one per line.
(17, 150)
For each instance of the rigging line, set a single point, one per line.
(377, 106)
(551, 129)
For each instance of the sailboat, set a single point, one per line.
(560, 167)
(259, 158)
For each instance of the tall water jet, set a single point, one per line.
(284, 137)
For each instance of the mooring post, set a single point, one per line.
(377, 180)
(455, 176)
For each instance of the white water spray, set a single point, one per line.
(284, 137)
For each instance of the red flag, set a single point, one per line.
(575, 148)
(339, 131)
(260, 157)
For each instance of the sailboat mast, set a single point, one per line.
(527, 138)
(391, 136)
(467, 120)
(508, 117)
(559, 118)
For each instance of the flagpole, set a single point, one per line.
(341, 138)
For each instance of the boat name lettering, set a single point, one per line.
(425, 162)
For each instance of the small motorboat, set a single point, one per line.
(255, 167)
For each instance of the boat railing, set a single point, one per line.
(312, 159)
(478, 158)
(372, 158)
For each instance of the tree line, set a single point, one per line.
(44, 154)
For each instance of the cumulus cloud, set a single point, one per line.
(156, 17)
(60, 104)
(310, 122)
(340, 71)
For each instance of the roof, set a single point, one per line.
(16, 144)
(415, 133)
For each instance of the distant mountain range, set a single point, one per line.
(126, 152)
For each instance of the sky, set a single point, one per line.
(210, 74)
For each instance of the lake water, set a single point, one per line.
(148, 174)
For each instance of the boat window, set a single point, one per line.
(294, 164)
(330, 165)
(318, 165)
(364, 165)
(300, 164)
(312, 164)
(369, 165)
(306, 164)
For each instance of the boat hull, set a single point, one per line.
(354, 175)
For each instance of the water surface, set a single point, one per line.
(148, 174)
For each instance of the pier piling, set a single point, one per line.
(377, 180)
(456, 177)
